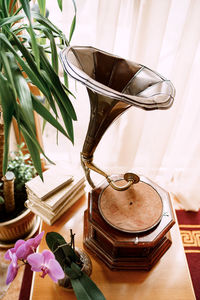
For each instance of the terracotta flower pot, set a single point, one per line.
(18, 228)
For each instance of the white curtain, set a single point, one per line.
(165, 36)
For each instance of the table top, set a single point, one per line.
(168, 279)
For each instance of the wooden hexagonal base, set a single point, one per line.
(127, 258)
(122, 250)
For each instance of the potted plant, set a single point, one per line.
(29, 57)
(63, 264)
(25, 60)
(16, 220)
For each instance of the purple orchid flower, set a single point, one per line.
(12, 268)
(46, 263)
(14, 249)
(29, 246)
(23, 248)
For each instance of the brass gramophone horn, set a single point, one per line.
(113, 84)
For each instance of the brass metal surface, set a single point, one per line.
(114, 85)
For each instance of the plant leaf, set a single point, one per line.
(12, 7)
(91, 287)
(46, 22)
(7, 69)
(74, 3)
(6, 100)
(62, 251)
(4, 7)
(73, 25)
(10, 20)
(35, 154)
(42, 6)
(52, 237)
(72, 28)
(42, 111)
(83, 286)
(35, 142)
(34, 147)
(60, 4)
(80, 291)
(74, 271)
(54, 54)
(35, 47)
(29, 68)
(8, 63)
(66, 81)
(57, 86)
(26, 8)
(55, 240)
(67, 121)
(25, 99)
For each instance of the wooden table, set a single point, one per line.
(169, 279)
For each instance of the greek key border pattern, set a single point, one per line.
(190, 238)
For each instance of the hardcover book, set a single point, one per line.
(59, 191)
(54, 179)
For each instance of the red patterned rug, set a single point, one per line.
(189, 225)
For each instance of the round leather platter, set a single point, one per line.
(134, 210)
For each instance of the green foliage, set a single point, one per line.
(21, 165)
(60, 4)
(23, 51)
(64, 252)
(84, 287)
(1, 200)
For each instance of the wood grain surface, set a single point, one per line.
(169, 278)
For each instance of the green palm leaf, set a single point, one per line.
(10, 20)
(21, 48)
(35, 47)
(73, 25)
(42, 6)
(25, 99)
(72, 28)
(46, 22)
(67, 121)
(6, 100)
(26, 8)
(35, 154)
(7, 70)
(12, 6)
(54, 54)
(60, 4)
(32, 136)
(33, 147)
(43, 112)
(4, 7)
(57, 86)
(8, 64)
(30, 69)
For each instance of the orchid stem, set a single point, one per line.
(60, 246)
(72, 239)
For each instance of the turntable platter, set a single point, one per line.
(135, 210)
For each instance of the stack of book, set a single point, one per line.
(51, 197)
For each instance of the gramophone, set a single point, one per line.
(129, 217)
